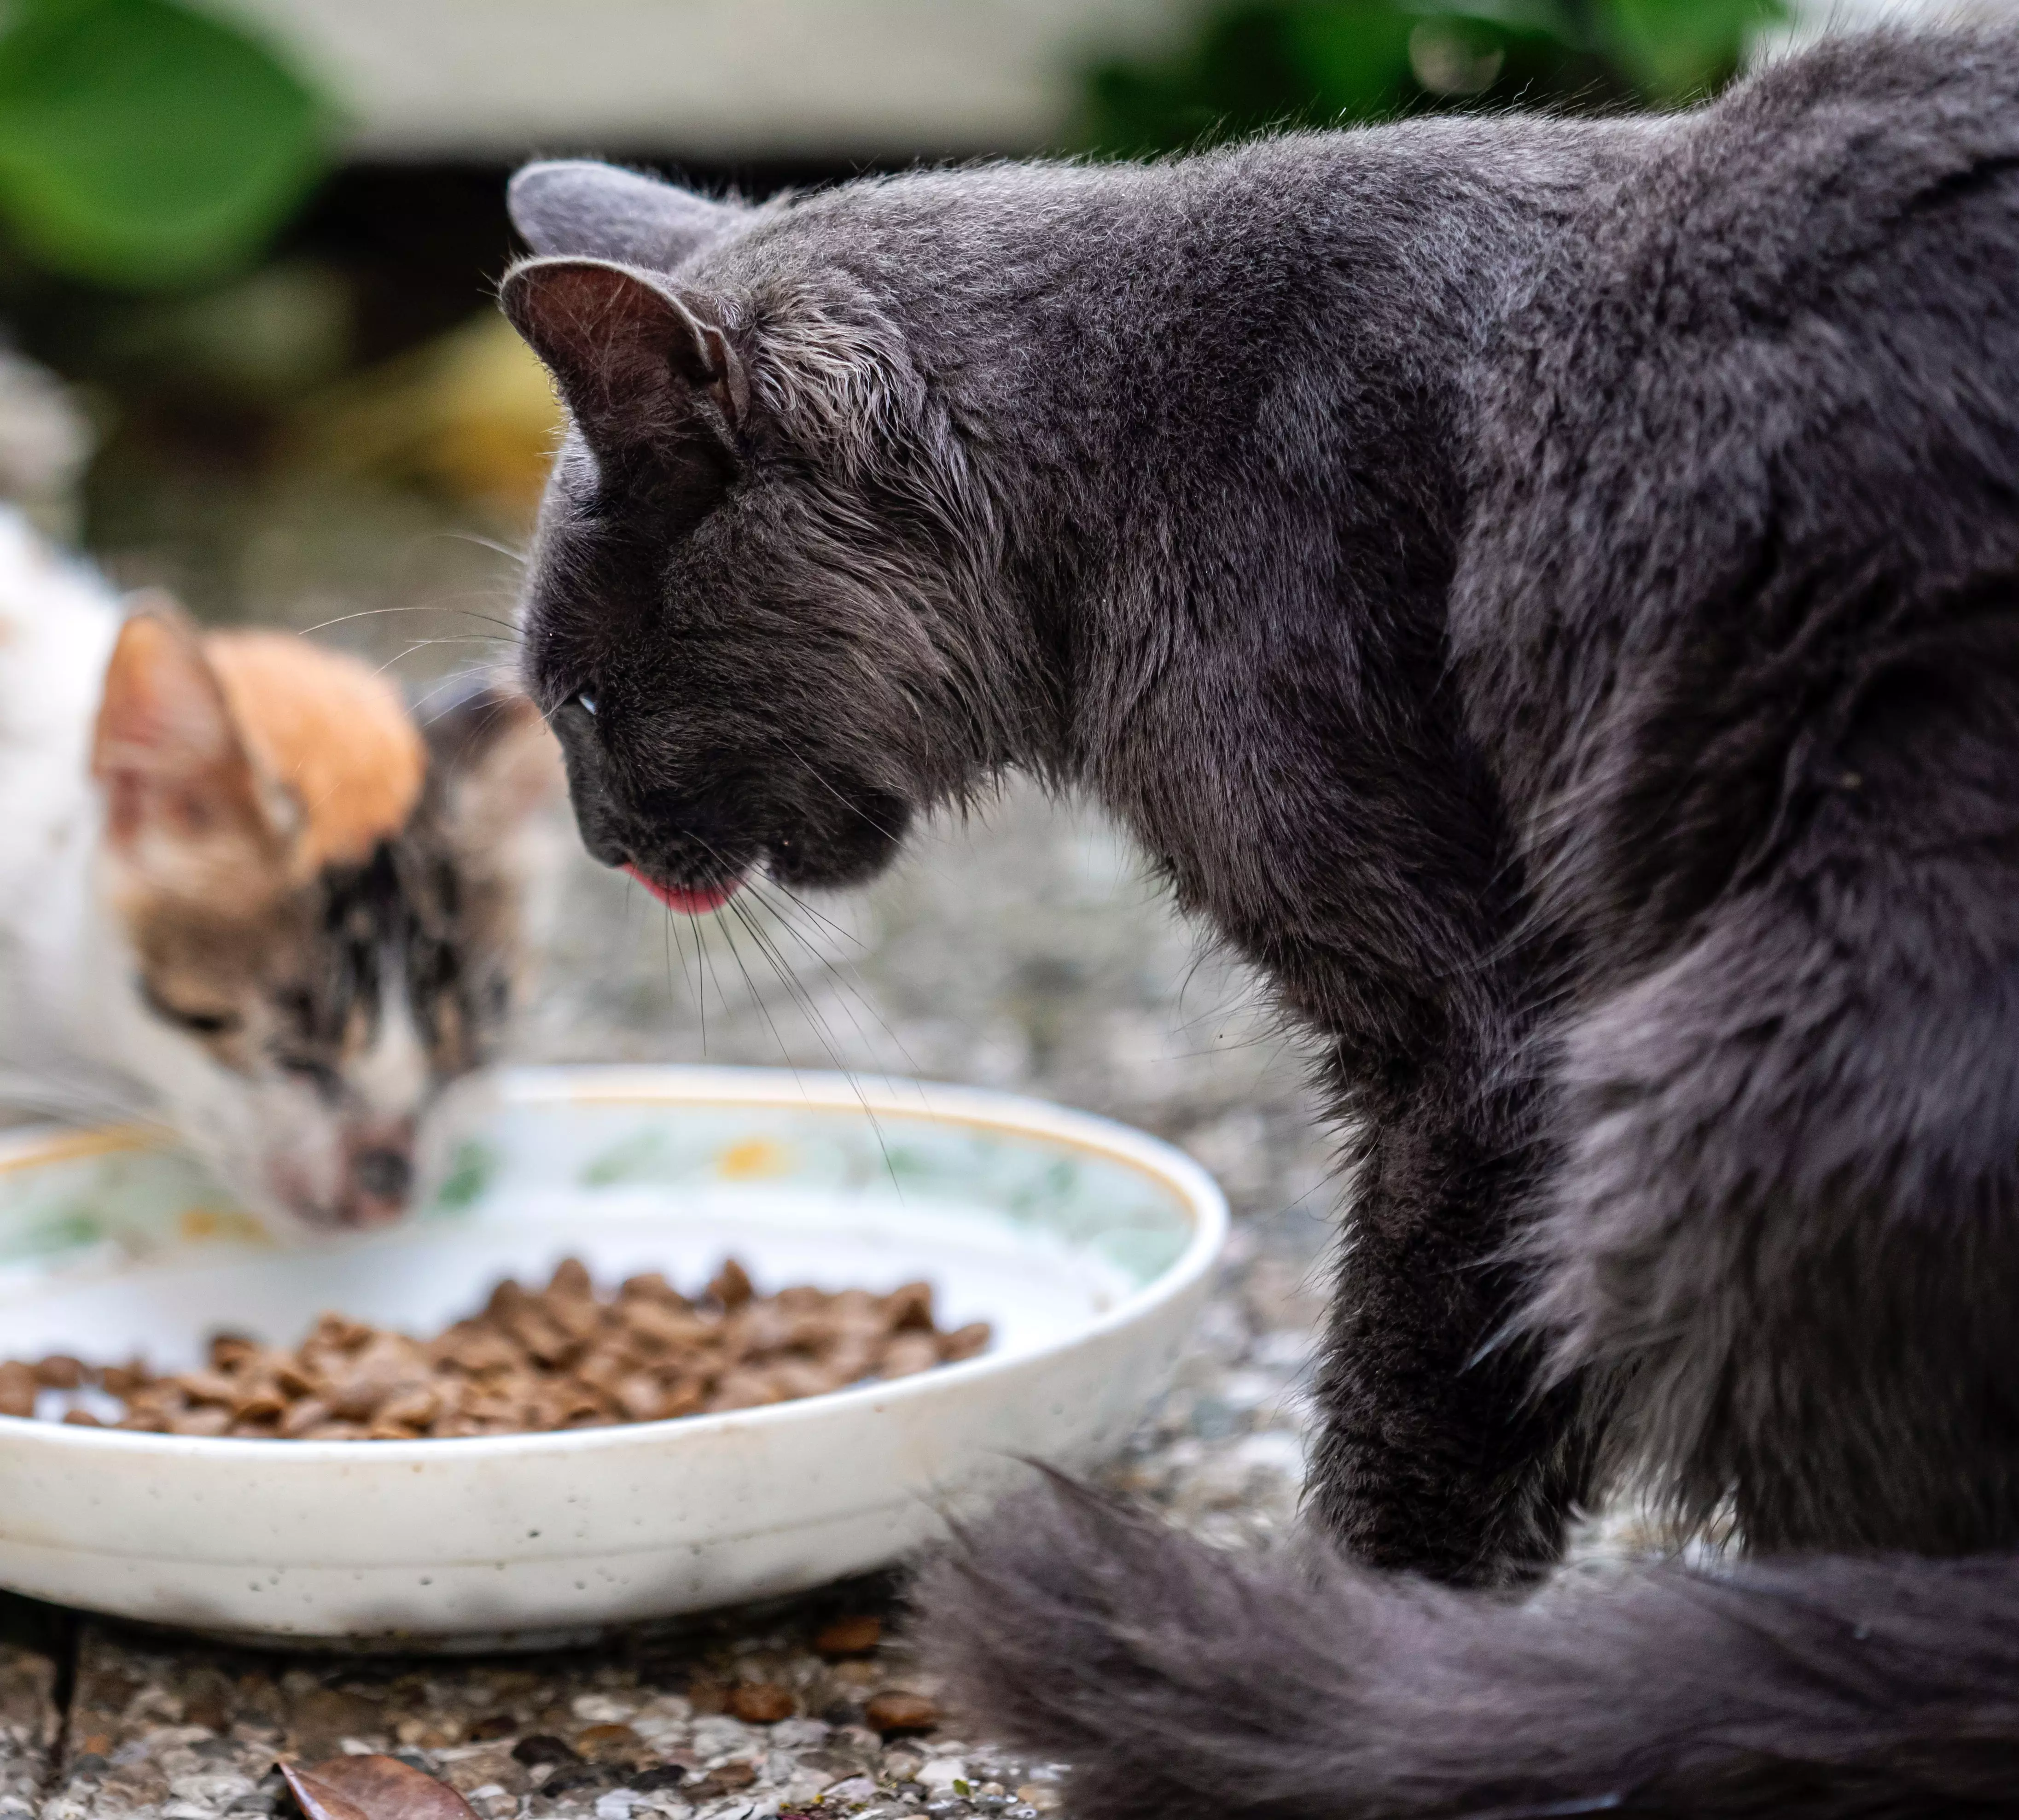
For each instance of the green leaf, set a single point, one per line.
(143, 144)
(1676, 50)
(1353, 55)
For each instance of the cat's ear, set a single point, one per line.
(577, 206)
(185, 805)
(635, 365)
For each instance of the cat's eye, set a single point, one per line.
(588, 702)
(196, 1021)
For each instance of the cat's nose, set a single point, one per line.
(383, 1175)
(379, 1174)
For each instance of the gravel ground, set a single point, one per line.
(1024, 950)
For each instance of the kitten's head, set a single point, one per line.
(321, 905)
(745, 614)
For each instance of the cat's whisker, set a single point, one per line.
(473, 678)
(380, 612)
(700, 990)
(849, 989)
(788, 976)
(489, 543)
(826, 923)
(757, 999)
(814, 771)
(819, 1025)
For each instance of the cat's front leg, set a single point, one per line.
(1435, 1454)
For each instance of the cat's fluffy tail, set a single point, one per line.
(1182, 1683)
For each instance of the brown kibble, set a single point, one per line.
(123, 1380)
(907, 1306)
(642, 1398)
(210, 1419)
(262, 1403)
(733, 1776)
(473, 1347)
(293, 1378)
(745, 1390)
(895, 1711)
(849, 1636)
(731, 1286)
(558, 1358)
(687, 1398)
(761, 1703)
(338, 1333)
(210, 1386)
(663, 1329)
(415, 1408)
(229, 1352)
(17, 1389)
(966, 1342)
(310, 1413)
(81, 1418)
(910, 1354)
(793, 1378)
(650, 1286)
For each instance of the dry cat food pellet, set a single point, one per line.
(533, 1360)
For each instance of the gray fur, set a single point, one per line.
(574, 205)
(1543, 591)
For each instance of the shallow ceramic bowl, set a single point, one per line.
(1086, 1245)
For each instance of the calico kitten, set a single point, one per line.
(1545, 592)
(240, 887)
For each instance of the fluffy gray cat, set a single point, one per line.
(1548, 593)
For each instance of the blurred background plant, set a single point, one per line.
(256, 238)
(144, 145)
(1262, 63)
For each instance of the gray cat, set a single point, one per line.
(1548, 593)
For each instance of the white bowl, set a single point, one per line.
(1087, 1244)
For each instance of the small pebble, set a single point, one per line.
(761, 1703)
(898, 1711)
(850, 1637)
(542, 1748)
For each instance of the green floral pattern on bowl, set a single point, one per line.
(70, 1199)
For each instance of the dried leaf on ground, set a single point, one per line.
(373, 1788)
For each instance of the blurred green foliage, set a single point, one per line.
(1261, 63)
(147, 145)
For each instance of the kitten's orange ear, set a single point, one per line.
(634, 363)
(182, 802)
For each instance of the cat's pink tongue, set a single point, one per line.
(679, 897)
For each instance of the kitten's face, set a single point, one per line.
(732, 633)
(321, 913)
